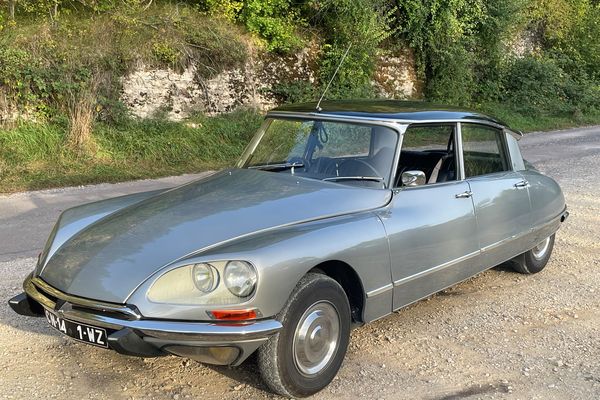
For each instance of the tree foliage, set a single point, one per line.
(466, 51)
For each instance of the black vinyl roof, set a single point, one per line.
(389, 109)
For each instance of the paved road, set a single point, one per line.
(498, 335)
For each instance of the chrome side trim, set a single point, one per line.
(31, 287)
(378, 291)
(504, 241)
(435, 269)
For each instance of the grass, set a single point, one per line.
(532, 123)
(37, 156)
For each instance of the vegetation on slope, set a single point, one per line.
(61, 63)
(34, 156)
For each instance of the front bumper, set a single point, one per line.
(131, 334)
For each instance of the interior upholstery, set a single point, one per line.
(426, 161)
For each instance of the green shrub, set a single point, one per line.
(230, 9)
(361, 24)
(165, 52)
(538, 86)
(276, 21)
(294, 91)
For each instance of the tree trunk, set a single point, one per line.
(11, 9)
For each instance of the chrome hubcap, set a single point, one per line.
(316, 338)
(541, 249)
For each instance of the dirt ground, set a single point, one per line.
(499, 335)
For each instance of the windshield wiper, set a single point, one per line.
(278, 167)
(354, 178)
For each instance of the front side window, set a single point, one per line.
(428, 149)
(344, 152)
(484, 151)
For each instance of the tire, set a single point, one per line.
(285, 361)
(534, 260)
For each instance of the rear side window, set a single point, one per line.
(484, 151)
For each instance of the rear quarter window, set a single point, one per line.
(515, 153)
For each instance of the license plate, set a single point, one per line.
(82, 332)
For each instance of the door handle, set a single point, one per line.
(464, 195)
(522, 184)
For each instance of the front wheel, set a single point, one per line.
(307, 353)
(534, 260)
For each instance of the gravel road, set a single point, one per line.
(499, 335)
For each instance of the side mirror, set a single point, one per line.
(413, 178)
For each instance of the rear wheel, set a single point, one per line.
(307, 353)
(534, 260)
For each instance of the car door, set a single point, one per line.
(431, 228)
(500, 194)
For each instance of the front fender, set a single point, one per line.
(282, 256)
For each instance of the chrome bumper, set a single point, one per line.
(131, 334)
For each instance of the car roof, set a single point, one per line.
(397, 110)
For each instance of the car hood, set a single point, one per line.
(109, 258)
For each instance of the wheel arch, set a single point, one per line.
(350, 281)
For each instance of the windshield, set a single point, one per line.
(344, 152)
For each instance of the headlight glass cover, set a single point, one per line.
(203, 284)
(240, 278)
(205, 277)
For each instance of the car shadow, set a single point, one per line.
(247, 373)
(505, 267)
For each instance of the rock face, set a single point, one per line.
(396, 77)
(525, 43)
(149, 92)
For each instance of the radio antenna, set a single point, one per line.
(333, 77)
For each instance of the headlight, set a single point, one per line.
(205, 276)
(240, 278)
(201, 284)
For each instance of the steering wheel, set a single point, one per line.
(361, 163)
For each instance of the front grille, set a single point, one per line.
(105, 313)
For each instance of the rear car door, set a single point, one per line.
(499, 193)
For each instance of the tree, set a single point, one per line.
(11, 8)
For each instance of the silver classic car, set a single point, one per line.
(332, 218)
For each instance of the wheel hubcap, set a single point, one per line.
(316, 338)
(541, 249)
